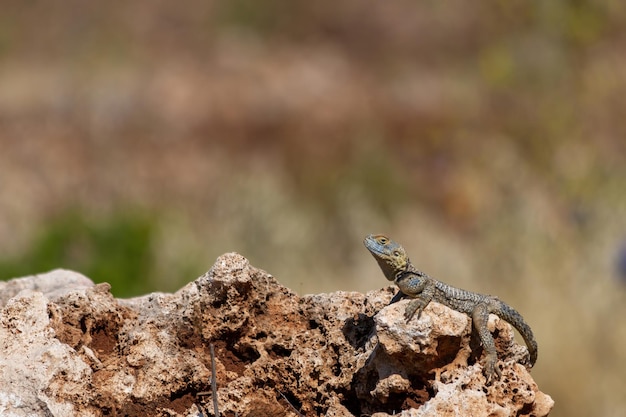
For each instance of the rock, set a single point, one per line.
(69, 348)
(52, 284)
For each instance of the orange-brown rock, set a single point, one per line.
(68, 347)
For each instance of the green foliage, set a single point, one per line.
(116, 249)
(261, 18)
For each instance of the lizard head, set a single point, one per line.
(391, 256)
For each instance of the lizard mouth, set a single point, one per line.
(372, 245)
(380, 254)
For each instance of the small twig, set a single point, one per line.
(291, 405)
(202, 411)
(216, 409)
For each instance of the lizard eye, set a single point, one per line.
(382, 240)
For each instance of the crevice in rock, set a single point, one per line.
(358, 331)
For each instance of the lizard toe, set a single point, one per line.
(491, 370)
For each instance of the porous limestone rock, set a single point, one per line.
(69, 348)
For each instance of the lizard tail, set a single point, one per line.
(514, 318)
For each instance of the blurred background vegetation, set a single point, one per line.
(139, 141)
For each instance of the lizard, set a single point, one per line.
(422, 289)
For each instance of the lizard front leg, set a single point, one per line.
(480, 317)
(419, 287)
(416, 305)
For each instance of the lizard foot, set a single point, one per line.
(415, 306)
(491, 369)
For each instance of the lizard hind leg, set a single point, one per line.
(480, 317)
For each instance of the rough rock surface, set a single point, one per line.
(69, 348)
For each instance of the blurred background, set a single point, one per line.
(139, 141)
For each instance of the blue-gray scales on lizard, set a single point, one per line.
(397, 267)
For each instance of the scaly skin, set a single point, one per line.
(397, 267)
